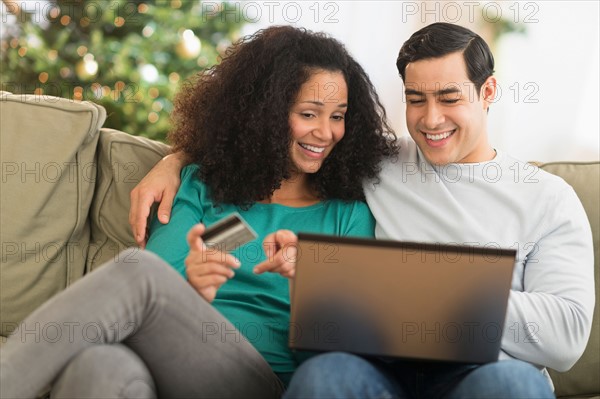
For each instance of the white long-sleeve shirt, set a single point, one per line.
(502, 203)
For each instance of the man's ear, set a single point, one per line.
(488, 91)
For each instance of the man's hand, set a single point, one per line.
(281, 249)
(159, 185)
(207, 269)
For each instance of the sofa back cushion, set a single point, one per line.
(584, 177)
(123, 160)
(48, 178)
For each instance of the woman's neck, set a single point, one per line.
(294, 192)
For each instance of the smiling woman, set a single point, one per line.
(234, 120)
(317, 119)
(283, 131)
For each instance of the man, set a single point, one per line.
(449, 185)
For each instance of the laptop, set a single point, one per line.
(400, 299)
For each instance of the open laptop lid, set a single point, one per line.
(400, 299)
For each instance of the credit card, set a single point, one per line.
(228, 233)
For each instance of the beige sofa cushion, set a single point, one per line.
(48, 147)
(123, 160)
(583, 378)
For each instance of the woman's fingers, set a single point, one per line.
(209, 268)
(209, 280)
(194, 238)
(281, 251)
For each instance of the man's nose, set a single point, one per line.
(433, 116)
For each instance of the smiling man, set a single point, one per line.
(447, 119)
(449, 185)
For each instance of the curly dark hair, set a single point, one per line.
(233, 119)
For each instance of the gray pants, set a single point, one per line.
(132, 328)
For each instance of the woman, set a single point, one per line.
(283, 131)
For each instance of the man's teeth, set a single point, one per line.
(437, 137)
(318, 150)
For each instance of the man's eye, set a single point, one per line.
(416, 101)
(450, 101)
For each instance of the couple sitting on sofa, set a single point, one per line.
(288, 131)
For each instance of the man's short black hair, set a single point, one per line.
(439, 39)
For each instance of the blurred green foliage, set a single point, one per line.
(129, 56)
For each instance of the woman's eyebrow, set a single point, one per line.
(322, 104)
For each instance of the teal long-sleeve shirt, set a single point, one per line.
(257, 305)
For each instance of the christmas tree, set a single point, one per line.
(129, 56)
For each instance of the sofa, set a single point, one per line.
(65, 200)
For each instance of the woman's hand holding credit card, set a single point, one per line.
(208, 264)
